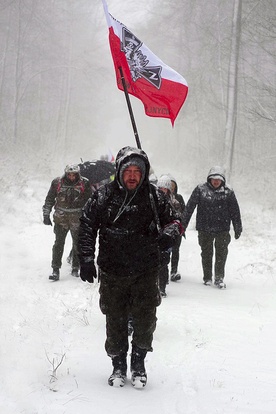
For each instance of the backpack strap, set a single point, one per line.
(82, 186)
(153, 202)
(59, 185)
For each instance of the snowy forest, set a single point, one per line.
(214, 350)
(59, 102)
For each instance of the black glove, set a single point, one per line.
(47, 220)
(165, 242)
(88, 272)
(168, 236)
(237, 234)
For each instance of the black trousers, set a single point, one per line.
(135, 295)
(175, 254)
(164, 269)
(208, 242)
(163, 277)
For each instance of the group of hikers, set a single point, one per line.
(139, 223)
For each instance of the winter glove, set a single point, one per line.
(88, 272)
(169, 234)
(237, 234)
(165, 242)
(47, 220)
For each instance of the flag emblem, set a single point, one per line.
(137, 61)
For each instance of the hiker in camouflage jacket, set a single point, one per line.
(67, 195)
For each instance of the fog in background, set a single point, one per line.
(59, 101)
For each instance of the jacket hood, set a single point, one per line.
(125, 155)
(217, 173)
(176, 186)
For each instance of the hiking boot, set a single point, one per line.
(220, 283)
(137, 367)
(175, 277)
(55, 275)
(118, 376)
(75, 272)
(163, 293)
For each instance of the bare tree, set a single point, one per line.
(230, 128)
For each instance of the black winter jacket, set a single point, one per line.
(216, 208)
(128, 244)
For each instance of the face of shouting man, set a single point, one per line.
(132, 177)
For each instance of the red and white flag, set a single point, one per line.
(161, 89)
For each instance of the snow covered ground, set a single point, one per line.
(214, 351)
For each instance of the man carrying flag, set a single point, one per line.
(128, 259)
(161, 89)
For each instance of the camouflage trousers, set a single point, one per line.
(207, 242)
(121, 297)
(58, 247)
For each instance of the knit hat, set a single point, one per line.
(164, 182)
(134, 160)
(172, 178)
(72, 168)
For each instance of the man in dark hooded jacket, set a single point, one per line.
(128, 259)
(217, 207)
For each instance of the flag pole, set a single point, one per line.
(130, 109)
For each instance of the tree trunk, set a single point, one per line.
(230, 128)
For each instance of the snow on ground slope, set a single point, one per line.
(214, 351)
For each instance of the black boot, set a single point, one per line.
(75, 271)
(55, 275)
(175, 277)
(137, 367)
(118, 376)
